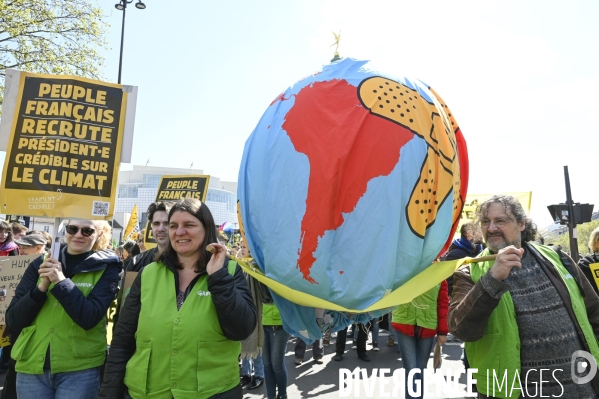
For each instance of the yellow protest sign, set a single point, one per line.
(4, 340)
(149, 241)
(12, 269)
(595, 272)
(174, 188)
(474, 200)
(64, 149)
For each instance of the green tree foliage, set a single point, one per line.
(51, 36)
(584, 232)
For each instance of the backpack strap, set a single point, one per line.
(571, 268)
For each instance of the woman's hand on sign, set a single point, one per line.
(217, 260)
(52, 270)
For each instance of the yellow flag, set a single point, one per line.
(474, 200)
(133, 223)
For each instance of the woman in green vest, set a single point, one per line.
(273, 352)
(179, 329)
(417, 323)
(59, 309)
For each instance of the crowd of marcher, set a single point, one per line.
(194, 325)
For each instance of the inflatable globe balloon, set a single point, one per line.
(351, 184)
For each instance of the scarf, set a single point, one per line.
(8, 246)
(251, 347)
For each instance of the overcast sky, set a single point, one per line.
(520, 77)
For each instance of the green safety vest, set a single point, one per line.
(71, 347)
(421, 311)
(180, 353)
(271, 315)
(499, 348)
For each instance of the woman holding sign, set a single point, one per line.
(178, 331)
(59, 309)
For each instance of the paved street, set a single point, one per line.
(312, 380)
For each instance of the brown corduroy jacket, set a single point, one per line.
(472, 304)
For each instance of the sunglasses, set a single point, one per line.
(85, 231)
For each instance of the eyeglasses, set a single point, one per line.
(85, 231)
(499, 223)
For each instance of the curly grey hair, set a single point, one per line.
(513, 206)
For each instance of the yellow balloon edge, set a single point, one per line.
(414, 287)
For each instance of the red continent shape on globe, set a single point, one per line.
(346, 147)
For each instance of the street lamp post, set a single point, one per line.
(122, 6)
(571, 213)
(571, 219)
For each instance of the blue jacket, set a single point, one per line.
(460, 248)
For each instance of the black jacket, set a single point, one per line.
(134, 264)
(141, 260)
(85, 311)
(584, 263)
(234, 306)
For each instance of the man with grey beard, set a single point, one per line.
(526, 315)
